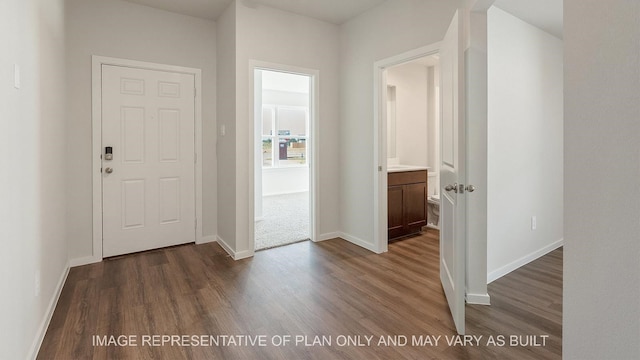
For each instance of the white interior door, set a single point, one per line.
(452, 174)
(148, 185)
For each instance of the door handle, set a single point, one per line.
(108, 170)
(453, 187)
(459, 188)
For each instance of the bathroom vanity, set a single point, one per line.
(407, 200)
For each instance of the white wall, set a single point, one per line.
(476, 149)
(601, 309)
(394, 27)
(286, 180)
(226, 115)
(295, 41)
(32, 180)
(433, 128)
(525, 128)
(122, 29)
(410, 81)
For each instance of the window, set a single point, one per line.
(284, 136)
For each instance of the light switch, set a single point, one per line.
(16, 76)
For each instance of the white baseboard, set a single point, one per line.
(223, 244)
(357, 241)
(44, 325)
(328, 236)
(502, 271)
(243, 254)
(83, 261)
(207, 239)
(234, 255)
(478, 299)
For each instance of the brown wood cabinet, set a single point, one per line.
(407, 202)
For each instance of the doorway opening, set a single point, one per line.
(408, 142)
(412, 123)
(413, 146)
(283, 119)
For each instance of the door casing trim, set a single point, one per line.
(96, 143)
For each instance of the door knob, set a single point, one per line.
(453, 187)
(470, 188)
(108, 170)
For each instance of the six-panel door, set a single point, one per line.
(149, 191)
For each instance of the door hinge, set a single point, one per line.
(196, 225)
(195, 158)
(195, 92)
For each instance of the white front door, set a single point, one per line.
(148, 190)
(452, 173)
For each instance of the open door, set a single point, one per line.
(452, 173)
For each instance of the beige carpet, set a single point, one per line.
(285, 220)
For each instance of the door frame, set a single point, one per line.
(312, 140)
(380, 223)
(96, 146)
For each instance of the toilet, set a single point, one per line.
(433, 211)
(433, 202)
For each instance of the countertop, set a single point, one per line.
(403, 168)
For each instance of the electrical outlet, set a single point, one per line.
(37, 283)
(534, 223)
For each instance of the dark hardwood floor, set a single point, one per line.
(333, 290)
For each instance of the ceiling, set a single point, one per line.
(333, 11)
(544, 14)
(207, 9)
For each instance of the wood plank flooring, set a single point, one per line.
(333, 290)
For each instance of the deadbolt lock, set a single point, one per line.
(108, 153)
